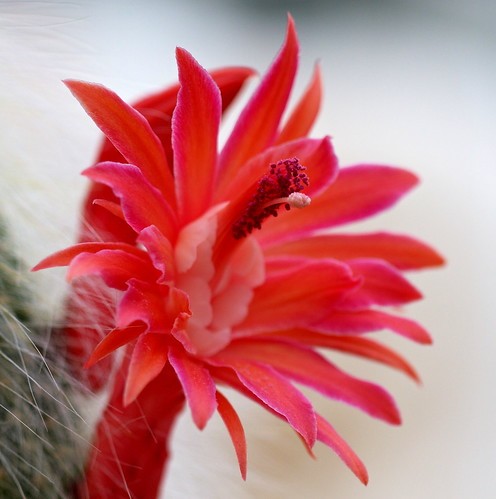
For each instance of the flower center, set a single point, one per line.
(281, 186)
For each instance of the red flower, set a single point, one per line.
(227, 274)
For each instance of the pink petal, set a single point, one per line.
(148, 359)
(114, 339)
(328, 436)
(160, 251)
(142, 204)
(364, 321)
(371, 350)
(115, 267)
(305, 113)
(128, 130)
(111, 206)
(354, 345)
(359, 192)
(197, 384)
(98, 223)
(257, 125)
(403, 252)
(195, 125)
(274, 390)
(382, 285)
(65, 256)
(283, 300)
(157, 306)
(235, 429)
(310, 368)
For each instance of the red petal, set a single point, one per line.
(358, 192)
(364, 321)
(195, 125)
(111, 206)
(158, 107)
(328, 436)
(257, 125)
(160, 251)
(128, 130)
(114, 340)
(64, 257)
(403, 252)
(235, 429)
(308, 367)
(354, 345)
(148, 359)
(296, 293)
(145, 302)
(142, 204)
(382, 285)
(197, 384)
(115, 267)
(98, 223)
(275, 391)
(305, 113)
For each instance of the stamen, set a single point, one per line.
(294, 200)
(282, 185)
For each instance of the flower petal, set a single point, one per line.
(355, 345)
(305, 113)
(358, 192)
(404, 252)
(142, 204)
(382, 284)
(148, 359)
(160, 251)
(115, 267)
(282, 301)
(98, 223)
(197, 384)
(195, 147)
(310, 368)
(364, 321)
(128, 130)
(274, 390)
(113, 340)
(65, 256)
(114, 208)
(235, 429)
(328, 436)
(158, 107)
(257, 125)
(157, 306)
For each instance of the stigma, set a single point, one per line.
(281, 186)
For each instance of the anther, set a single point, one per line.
(281, 186)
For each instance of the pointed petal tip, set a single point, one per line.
(181, 52)
(38, 266)
(291, 22)
(291, 33)
(364, 477)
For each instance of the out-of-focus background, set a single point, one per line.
(406, 83)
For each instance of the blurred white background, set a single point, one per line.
(406, 83)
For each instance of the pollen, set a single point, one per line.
(282, 185)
